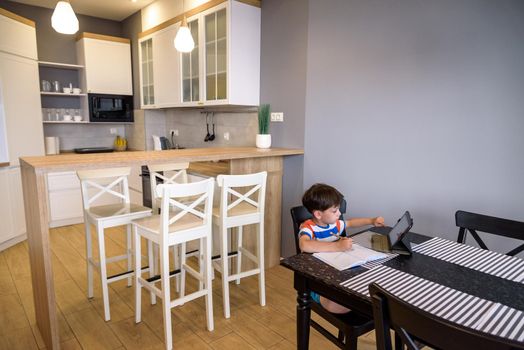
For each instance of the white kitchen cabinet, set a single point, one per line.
(107, 62)
(229, 56)
(222, 69)
(65, 199)
(12, 215)
(159, 69)
(21, 106)
(18, 35)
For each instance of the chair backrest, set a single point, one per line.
(300, 214)
(242, 193)
(472, 222)
(99, 182)
(197, 213)
(172, 173)
(409, 322)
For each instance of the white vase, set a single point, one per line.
(263, 140)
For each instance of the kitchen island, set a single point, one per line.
(242, 160)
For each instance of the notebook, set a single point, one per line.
(357, 256)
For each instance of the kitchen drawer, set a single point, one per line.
(62, 181)
(65, 205)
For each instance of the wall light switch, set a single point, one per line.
(226, 136)
(112, 131)
(173, 132)
(277, 117)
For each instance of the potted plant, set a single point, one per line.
(263, 136)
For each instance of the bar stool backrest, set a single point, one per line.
(197, 213)
(242, 194)
(99, 182)
(171, 173)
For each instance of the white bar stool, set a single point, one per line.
(173, 227)
(171, 173)
(237, 210)
(113, 183)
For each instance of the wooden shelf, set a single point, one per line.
(61, 94)
(60, 65)
(64, 122)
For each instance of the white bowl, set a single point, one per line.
(67, 117)
(77, 91)
(77, 118)
(67, 90)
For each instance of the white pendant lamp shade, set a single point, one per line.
(184, 40)
(64, 19)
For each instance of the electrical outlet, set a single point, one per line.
(112, 131)
(173, 132)
(226, 136)
(277, 117)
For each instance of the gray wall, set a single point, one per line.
(417, 105)
(53, 46)
(131, 26)
(283, 85)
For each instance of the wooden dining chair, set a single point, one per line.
(413, 325)
(350, 325)
(472, 222)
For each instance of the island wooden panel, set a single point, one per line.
(243, 160)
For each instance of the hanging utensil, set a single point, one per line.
(207, 127)
(212, 137)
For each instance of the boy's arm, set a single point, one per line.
(357, 222)
(308, 245)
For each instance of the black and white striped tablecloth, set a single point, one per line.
(375, 263)
(447, 303)
(496, 264)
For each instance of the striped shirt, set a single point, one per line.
(328, 233)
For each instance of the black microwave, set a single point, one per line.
(110, 108)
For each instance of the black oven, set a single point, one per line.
(110, 108)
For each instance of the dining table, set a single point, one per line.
(463, 284)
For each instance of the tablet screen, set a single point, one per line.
(402, 226)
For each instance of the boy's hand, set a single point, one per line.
(344, 243)
(378, 221)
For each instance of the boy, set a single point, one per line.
(322, 232)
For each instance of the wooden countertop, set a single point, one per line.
(115, 159)
(209, 168)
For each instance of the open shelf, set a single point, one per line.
(64, 122)
(60, 94)
(60, 65)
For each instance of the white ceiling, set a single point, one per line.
(116, 10)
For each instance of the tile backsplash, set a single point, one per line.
(85, 135)
(191, 124)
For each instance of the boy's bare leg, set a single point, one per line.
(332, 306)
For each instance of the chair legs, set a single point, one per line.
(225, 268)
(138, 285)
(260, 254)
(129, 253)
(103, 271)
(239, 252)
(166, 295)
(89, 258)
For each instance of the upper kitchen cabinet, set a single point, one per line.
(227, 44)
(222, 69)
(107, 61)
(18, 35)
(159, 69)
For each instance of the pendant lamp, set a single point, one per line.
(184, 40)
(64, 19)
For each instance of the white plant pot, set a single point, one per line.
(263, 140)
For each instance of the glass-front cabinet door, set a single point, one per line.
(147, 83)
(216, 55)
(190, 68)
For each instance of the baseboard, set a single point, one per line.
(66, 222)
(12, 241)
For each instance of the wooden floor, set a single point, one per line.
(81, 320)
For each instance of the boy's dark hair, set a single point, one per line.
(321, 197)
